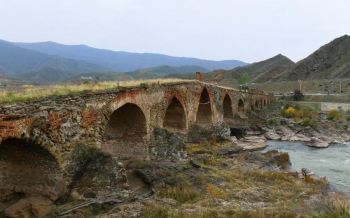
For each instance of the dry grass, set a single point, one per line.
(229, 191)
(30, 92)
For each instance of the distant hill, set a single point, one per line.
(46, 74)
(148, 73)
(266, 70)
(124, 61)
(3, 78)
(103, 76)
(157, 72)
(15, 60)
(256, 72)
(182, 76)
(331, 61)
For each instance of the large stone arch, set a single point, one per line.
(204, 112)
(28, 169)
(175, 115)
(240, 107)
(227, 108)
(126, 132)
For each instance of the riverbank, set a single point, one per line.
(333, 162)
(283, 122)
(222, 180)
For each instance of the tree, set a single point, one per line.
(297, 95)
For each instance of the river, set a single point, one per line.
(332, 162)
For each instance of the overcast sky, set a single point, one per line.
(246, 30)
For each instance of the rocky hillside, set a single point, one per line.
(257, 72)
(331, 61)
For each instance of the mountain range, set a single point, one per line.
(52, 62)
(123, 61)
(331, 61)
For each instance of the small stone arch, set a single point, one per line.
(227, 107)
(28, 169)
(175, 116)
(256, 104)
(126, 132)
(252, 107)
(240, 106)
(204, 112)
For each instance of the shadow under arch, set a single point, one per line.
(227, 107)
(240, 106)
(125, 133)
(28, 169)
(175, 117)
(204, 113)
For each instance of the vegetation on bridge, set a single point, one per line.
(31, 92)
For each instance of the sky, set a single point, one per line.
(245, 30)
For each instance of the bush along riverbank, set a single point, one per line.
(287, 122)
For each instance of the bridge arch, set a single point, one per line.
(256, 104)
(204, 111)
(175, 115)
(126, 132)
(28, 169)
(240, 106)
(227, 107)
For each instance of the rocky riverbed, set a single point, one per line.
(268, 124)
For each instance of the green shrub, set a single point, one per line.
(182, 195)
(306, 122)
(156, 211)
(272, 122)
(333, 114)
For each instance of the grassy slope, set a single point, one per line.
(161, 71)
(148, 73)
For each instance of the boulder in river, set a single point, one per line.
(318, 143)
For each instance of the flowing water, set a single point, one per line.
(332, 162)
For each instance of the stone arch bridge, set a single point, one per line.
(36, 136)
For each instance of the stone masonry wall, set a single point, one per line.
(56, 122)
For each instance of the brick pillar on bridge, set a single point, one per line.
(199, 76)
